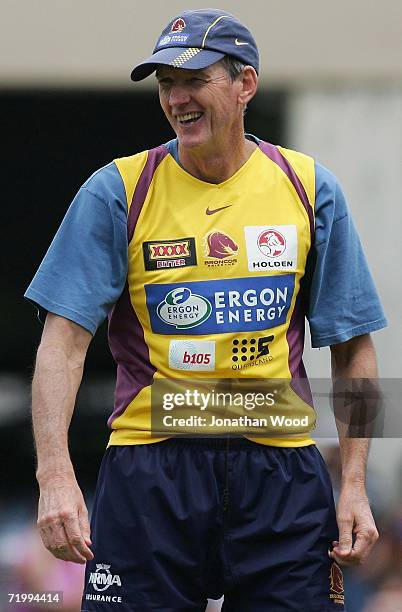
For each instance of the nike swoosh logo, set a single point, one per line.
(212, 212)
(238, 43)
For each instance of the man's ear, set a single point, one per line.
(249, 80)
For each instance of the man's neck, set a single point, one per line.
(219, 165)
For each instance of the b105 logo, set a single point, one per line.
(198, 355)
(196, 358)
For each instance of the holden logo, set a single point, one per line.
(178, 25)
(183, 309)
(271, 243)
(219, 245)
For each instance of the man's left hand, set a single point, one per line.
(357, 530)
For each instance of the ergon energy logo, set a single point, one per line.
(220, 306)
(184, 309)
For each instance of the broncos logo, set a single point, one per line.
(178, 25)
(219, 245)
(336, 578)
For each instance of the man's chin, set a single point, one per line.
(192, 142)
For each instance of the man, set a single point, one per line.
(206, 253)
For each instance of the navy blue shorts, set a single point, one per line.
(183, 520)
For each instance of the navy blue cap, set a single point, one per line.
(196, 39)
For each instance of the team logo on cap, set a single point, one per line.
(178, 25)
(271, 243)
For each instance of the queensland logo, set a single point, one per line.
(169, 253)
(271, 243)
(249, 352)
(102, 578)
(220, 249)
(196, 355)
(273, 247)
(184, 309)
(178, 25)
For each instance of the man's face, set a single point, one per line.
(202, 106)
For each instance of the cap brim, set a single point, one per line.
(178, 57)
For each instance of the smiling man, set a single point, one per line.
(207, 253)
(205, 108)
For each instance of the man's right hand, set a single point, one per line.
(63, 520)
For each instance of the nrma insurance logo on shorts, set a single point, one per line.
(220, 306)
(103, 578)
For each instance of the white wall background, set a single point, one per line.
(357, 133)
(96, 42)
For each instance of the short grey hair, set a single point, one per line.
(233, 66)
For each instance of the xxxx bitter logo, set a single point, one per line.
(169, 253)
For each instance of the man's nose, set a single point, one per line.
(178, 95)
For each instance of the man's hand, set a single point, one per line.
(62, 516)
(357, 530)
(63, 520)
(355, 361)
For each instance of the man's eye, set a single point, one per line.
(197, 80)
(165, 82)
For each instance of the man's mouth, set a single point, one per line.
(187, 118)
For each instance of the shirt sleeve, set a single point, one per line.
(85, 269)
(343, 300)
